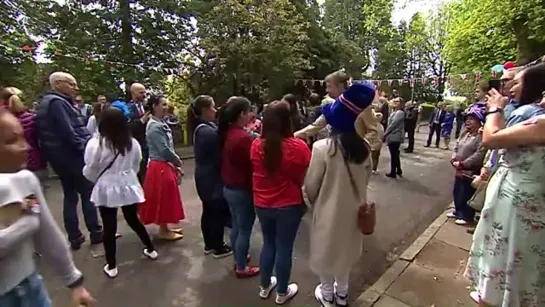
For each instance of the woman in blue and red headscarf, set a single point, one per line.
(467, 159)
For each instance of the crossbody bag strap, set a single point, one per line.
(108, 166)
(351, 177)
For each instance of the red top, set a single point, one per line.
(283, 188)
(236, 167)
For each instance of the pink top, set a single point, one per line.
(34, 158)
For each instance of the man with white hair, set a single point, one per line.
(139, 118)
(63, 138)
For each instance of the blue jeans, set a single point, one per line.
(279, 227)
(72, 185)
(29, 293)
(241, 204)
(462, 193)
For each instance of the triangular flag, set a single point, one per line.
(478, 75)
(423, 80)
(463, 76)
(494, 74)
(436, 80)
(390, 81)
(321, 82)
(411, 82)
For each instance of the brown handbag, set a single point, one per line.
(367, 217)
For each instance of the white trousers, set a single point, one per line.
(341, 285)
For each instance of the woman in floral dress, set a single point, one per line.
(507, 259)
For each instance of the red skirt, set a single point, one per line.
(163, 203)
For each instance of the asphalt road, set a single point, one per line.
(184, 276)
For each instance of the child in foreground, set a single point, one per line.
(28, 227)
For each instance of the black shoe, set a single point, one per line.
(426, 145)
(391, 176)
(208, 250)
(96, 238)
(400, 174)
(76, 244)
(436, 146)
(407, 150)
(223, 252)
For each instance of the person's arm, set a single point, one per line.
(50, 243)
(398, 120)
(315, 174)
(90, 157)
(10, 237)
(299, 158)
(496, 135)
(61, 113)
(136, 152)
(366, 125)
(206, 140)
(475, 160)
(92, 125)
(157, 136)
(312, 129)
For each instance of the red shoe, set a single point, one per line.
(249, 271)
(247, 261)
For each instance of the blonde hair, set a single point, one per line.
(12, 99)
(338, 77)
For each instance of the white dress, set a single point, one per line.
(119, 185)
(92, 126)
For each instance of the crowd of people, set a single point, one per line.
(271, 165)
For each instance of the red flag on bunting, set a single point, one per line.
(411, 82)
(478, 76)
(494, 74)
(390, 83)
(423, 80)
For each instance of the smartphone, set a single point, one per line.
(494, 84)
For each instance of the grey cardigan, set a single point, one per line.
(395, 131)
(470, 151)
(30, 233)
(160, 142)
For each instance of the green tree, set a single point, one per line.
(106, 42)
(251, 48)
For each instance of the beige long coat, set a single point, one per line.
(336, 242)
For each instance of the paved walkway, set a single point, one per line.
(184, 276)
(429, 273)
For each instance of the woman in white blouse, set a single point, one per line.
(112, 160)
(92, 123)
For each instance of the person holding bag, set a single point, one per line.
(339, 172)
(112, 161)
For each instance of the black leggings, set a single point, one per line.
(109, 221)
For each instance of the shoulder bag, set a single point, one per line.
(366, 212)
(107, 167)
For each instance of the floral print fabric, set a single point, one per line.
(507, 259)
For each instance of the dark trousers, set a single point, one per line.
(395, 161)
(434, 128)
(459, 125)
(214, 218)
(143, 165)
(375, 155)
(75, 187)
(462, 193)
(279, 227)
(109, 219)
(410, 129)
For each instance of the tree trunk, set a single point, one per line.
(126, 37)
(527, 49)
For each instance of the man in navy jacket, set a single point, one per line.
(62, 139)
(138, 120)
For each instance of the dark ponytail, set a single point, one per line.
(353, 147)
(228, 114)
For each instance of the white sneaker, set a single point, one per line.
(264, 293)
(292, 291)
(112, 273)
(320, 298)
(374, 172)
(340, 300)
(461, 222)
(452, 215)
(151, 255)
(475, 296)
